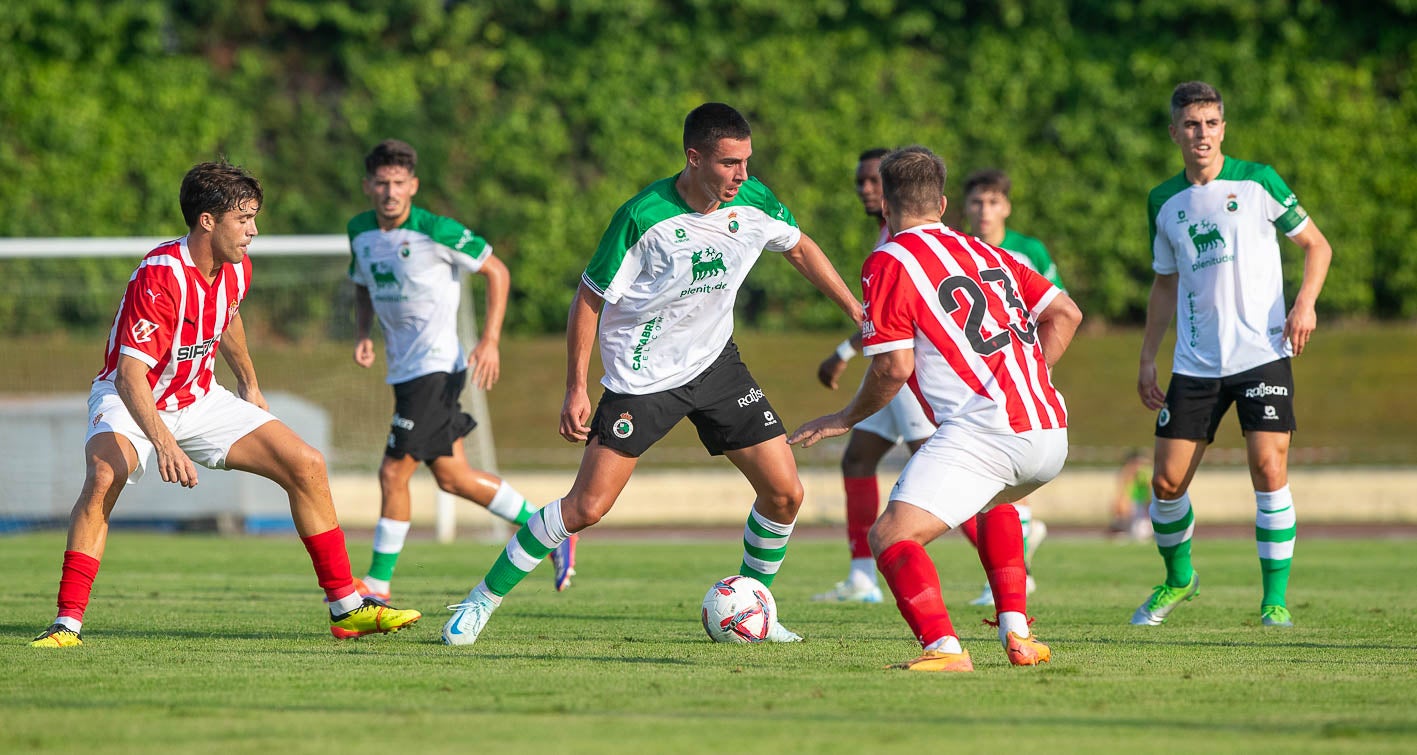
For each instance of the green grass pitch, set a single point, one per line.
(205, 644)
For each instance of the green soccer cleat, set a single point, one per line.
(1164, 600)
(372, 617)
(57, 636)
(1275, 616)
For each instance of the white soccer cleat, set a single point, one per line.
(469, 618)
(850, 591)
(779, 633)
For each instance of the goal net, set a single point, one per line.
(58, 297)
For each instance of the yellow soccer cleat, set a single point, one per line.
(1027, 651)
(373, 617)
(57, 636)
(936, 660)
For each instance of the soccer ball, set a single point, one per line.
(738, 609)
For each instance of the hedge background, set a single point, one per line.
(535, 119)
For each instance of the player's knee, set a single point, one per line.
(579, 513)
(306, 462)
(1167, 488)
(1270, 471)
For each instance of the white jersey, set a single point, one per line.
(669, 277)
(1220, 238)
(414, 277)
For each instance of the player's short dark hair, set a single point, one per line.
(913, 180)
(708, 123)
(874, 153)
(1189, 93)
(391, 152)
(989, 179)
(217, 188)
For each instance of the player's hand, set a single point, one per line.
(1299, 325)
(251, 394)
(174, 465)
(1152, 397)
(829, 370)
(818, 429)
(364, 352)
(486, 363)
(575, 412)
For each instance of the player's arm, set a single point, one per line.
(131, 381)
(888, 372)
(363, 321)
(485, 359)
(1302, 320)
(831, 368)
(813, 264)
(1057, 324)
(1160, 306)
(580, 339)
(238, 358)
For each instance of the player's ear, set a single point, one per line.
(944, 201)
(206, 221)
(693, 157)
(413, 186)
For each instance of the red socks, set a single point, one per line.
(331, 563)
(76, 584)
(970, 528)
(916, 586)
(863, 503)
(1001, 553)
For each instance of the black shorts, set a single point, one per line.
(1263, 397)
(724, 402)
(427, 416)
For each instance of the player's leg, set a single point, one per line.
(864, 451)
(898, 539)
(391, 531)
(1275, 521)
(771, 469)
(603, 474)
(274, 451)
(110, 458)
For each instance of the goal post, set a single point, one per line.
(308, 282)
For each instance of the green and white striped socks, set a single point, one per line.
(764, 547)
(1173, 523)
(508, 504)
(533, 543)
(1275, 532)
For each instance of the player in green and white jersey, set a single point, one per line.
(407, 266)
(1218, 272)
(659, 293)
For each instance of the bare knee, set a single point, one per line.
(1166, 487)
(304, 464)
(580, 512)
(1269, 472)
(781, 504)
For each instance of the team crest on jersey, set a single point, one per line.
(143, 331)
(623, 427)
(733, 221)
(404, 250)
(1230, 204)
(1163, 417)
(231, 310)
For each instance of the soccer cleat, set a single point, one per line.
(779, 633)
(849, 591)
(937, 660)
(57, 636)
(372, 617)
(1026, 651)
(986, 598)
(1275, 616)
(564, 559)
(365, 592)
(1164, 600)
(469, 618)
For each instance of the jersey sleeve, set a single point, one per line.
(1284, 211)
(465, 249)
(148, 320)
(1163, 256)
(783, 233)
(890, 301)
(617, 260)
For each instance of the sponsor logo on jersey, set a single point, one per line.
(1262, 390)
(97, 418)
(193, 351)
(753, 396)
(402, 423)
(143, 331)
(383, 274)
(647, 333)
(769, 419)
(1206, 236)
(868, 329)
(1180, 216)
(153, 295)
(623, 427)
(1290, 200)
(708, 263)
(1230, 204)
(1271, 413)
(680, 235)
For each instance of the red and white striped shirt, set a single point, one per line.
(171, 319)
(969, 310)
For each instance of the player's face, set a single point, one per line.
(233, 231)
(868, 185)
(719, 174)
(391, 189)
(1199, 130)
(987, 211)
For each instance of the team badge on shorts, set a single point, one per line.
(623, 427)
(1163, 417)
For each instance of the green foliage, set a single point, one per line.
(536, 119)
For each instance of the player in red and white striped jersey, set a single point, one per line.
(974, 333)
(156, 393)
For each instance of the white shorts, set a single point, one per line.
(902, 420)
(961, 471)
(205, 430)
